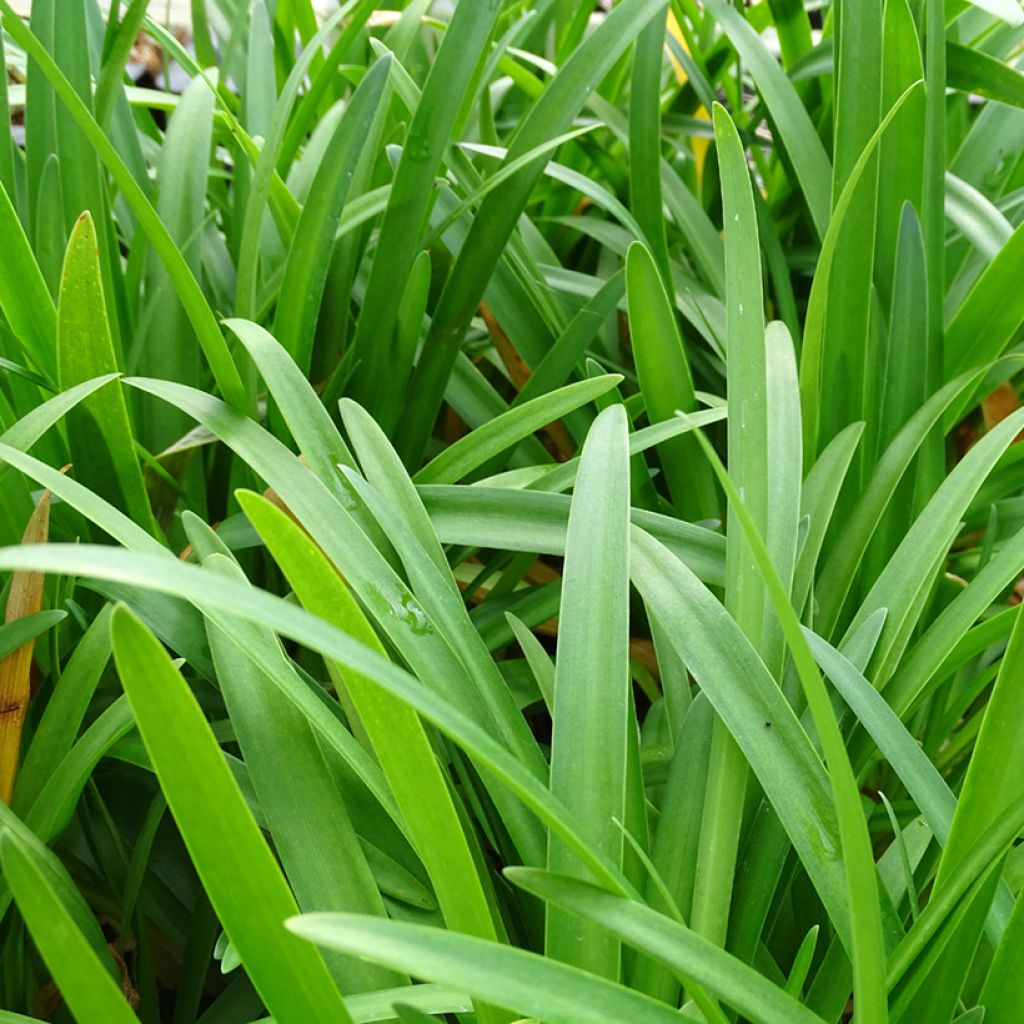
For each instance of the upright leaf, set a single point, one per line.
(24, 598)
(593, 706)
(993, 784)
(858, 110)
(397, 735)
(309, 259)
(166, 345)
(645, 141)
(796, 130)
(230, 855)
(326, 866)
(496, 220)
(100, 431)
(452, 73)
(666, 382)
(24, 297)
(197, 308)
(748, 463)
(901, 153)
(89, 990)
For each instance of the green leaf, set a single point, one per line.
(504, 431)
(498, 517)
(593, 705)
(901, 152)
(311, 425)
(26, 431)
(854, 535)
(945, 910)
(7, 165)
(496, 220)
(65, 710)
(909, 572)
(980, 220)
(531, 984)
(19, 632)
(88, 989)
(746, 390)
(747, 372)
(949, 653)
(560, 361)
(645, 130)
(1007, 10)
(99, 428)
(867, 946)
(987, 319)
(1001, 995)
(858, 55)
(933, 220)
(813, 391)
(395, 608)
(52, 810)
(61, 883)
(974, 71)
(438, 611)
(166, 344)
(85, 188)
(452, 74)
(666, 382)
(673, 944)
(922, 780)
(903, 388)
(226, 846)
(784, 469)
(537, 657)
(991, 784)
(209, 590)
(701, 235)
(821, 489)
(398, 738)
(408, 328)
(432, 999)
(191, 295)
(740, 688)
(51, 229)
(264, 175)
(326, 867)
(309, 258)
(126, 532)
(677, 831)
(111, 77)
(792, 122)
(24, 297)
(260, 88)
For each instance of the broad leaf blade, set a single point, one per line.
(229, 852)
(100, 432)
(593, 706)
(510, 977)
(92, 994)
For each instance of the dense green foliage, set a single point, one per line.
(510, 511)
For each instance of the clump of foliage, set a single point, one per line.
(510, 511)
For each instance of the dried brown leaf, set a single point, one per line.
(26, 598)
